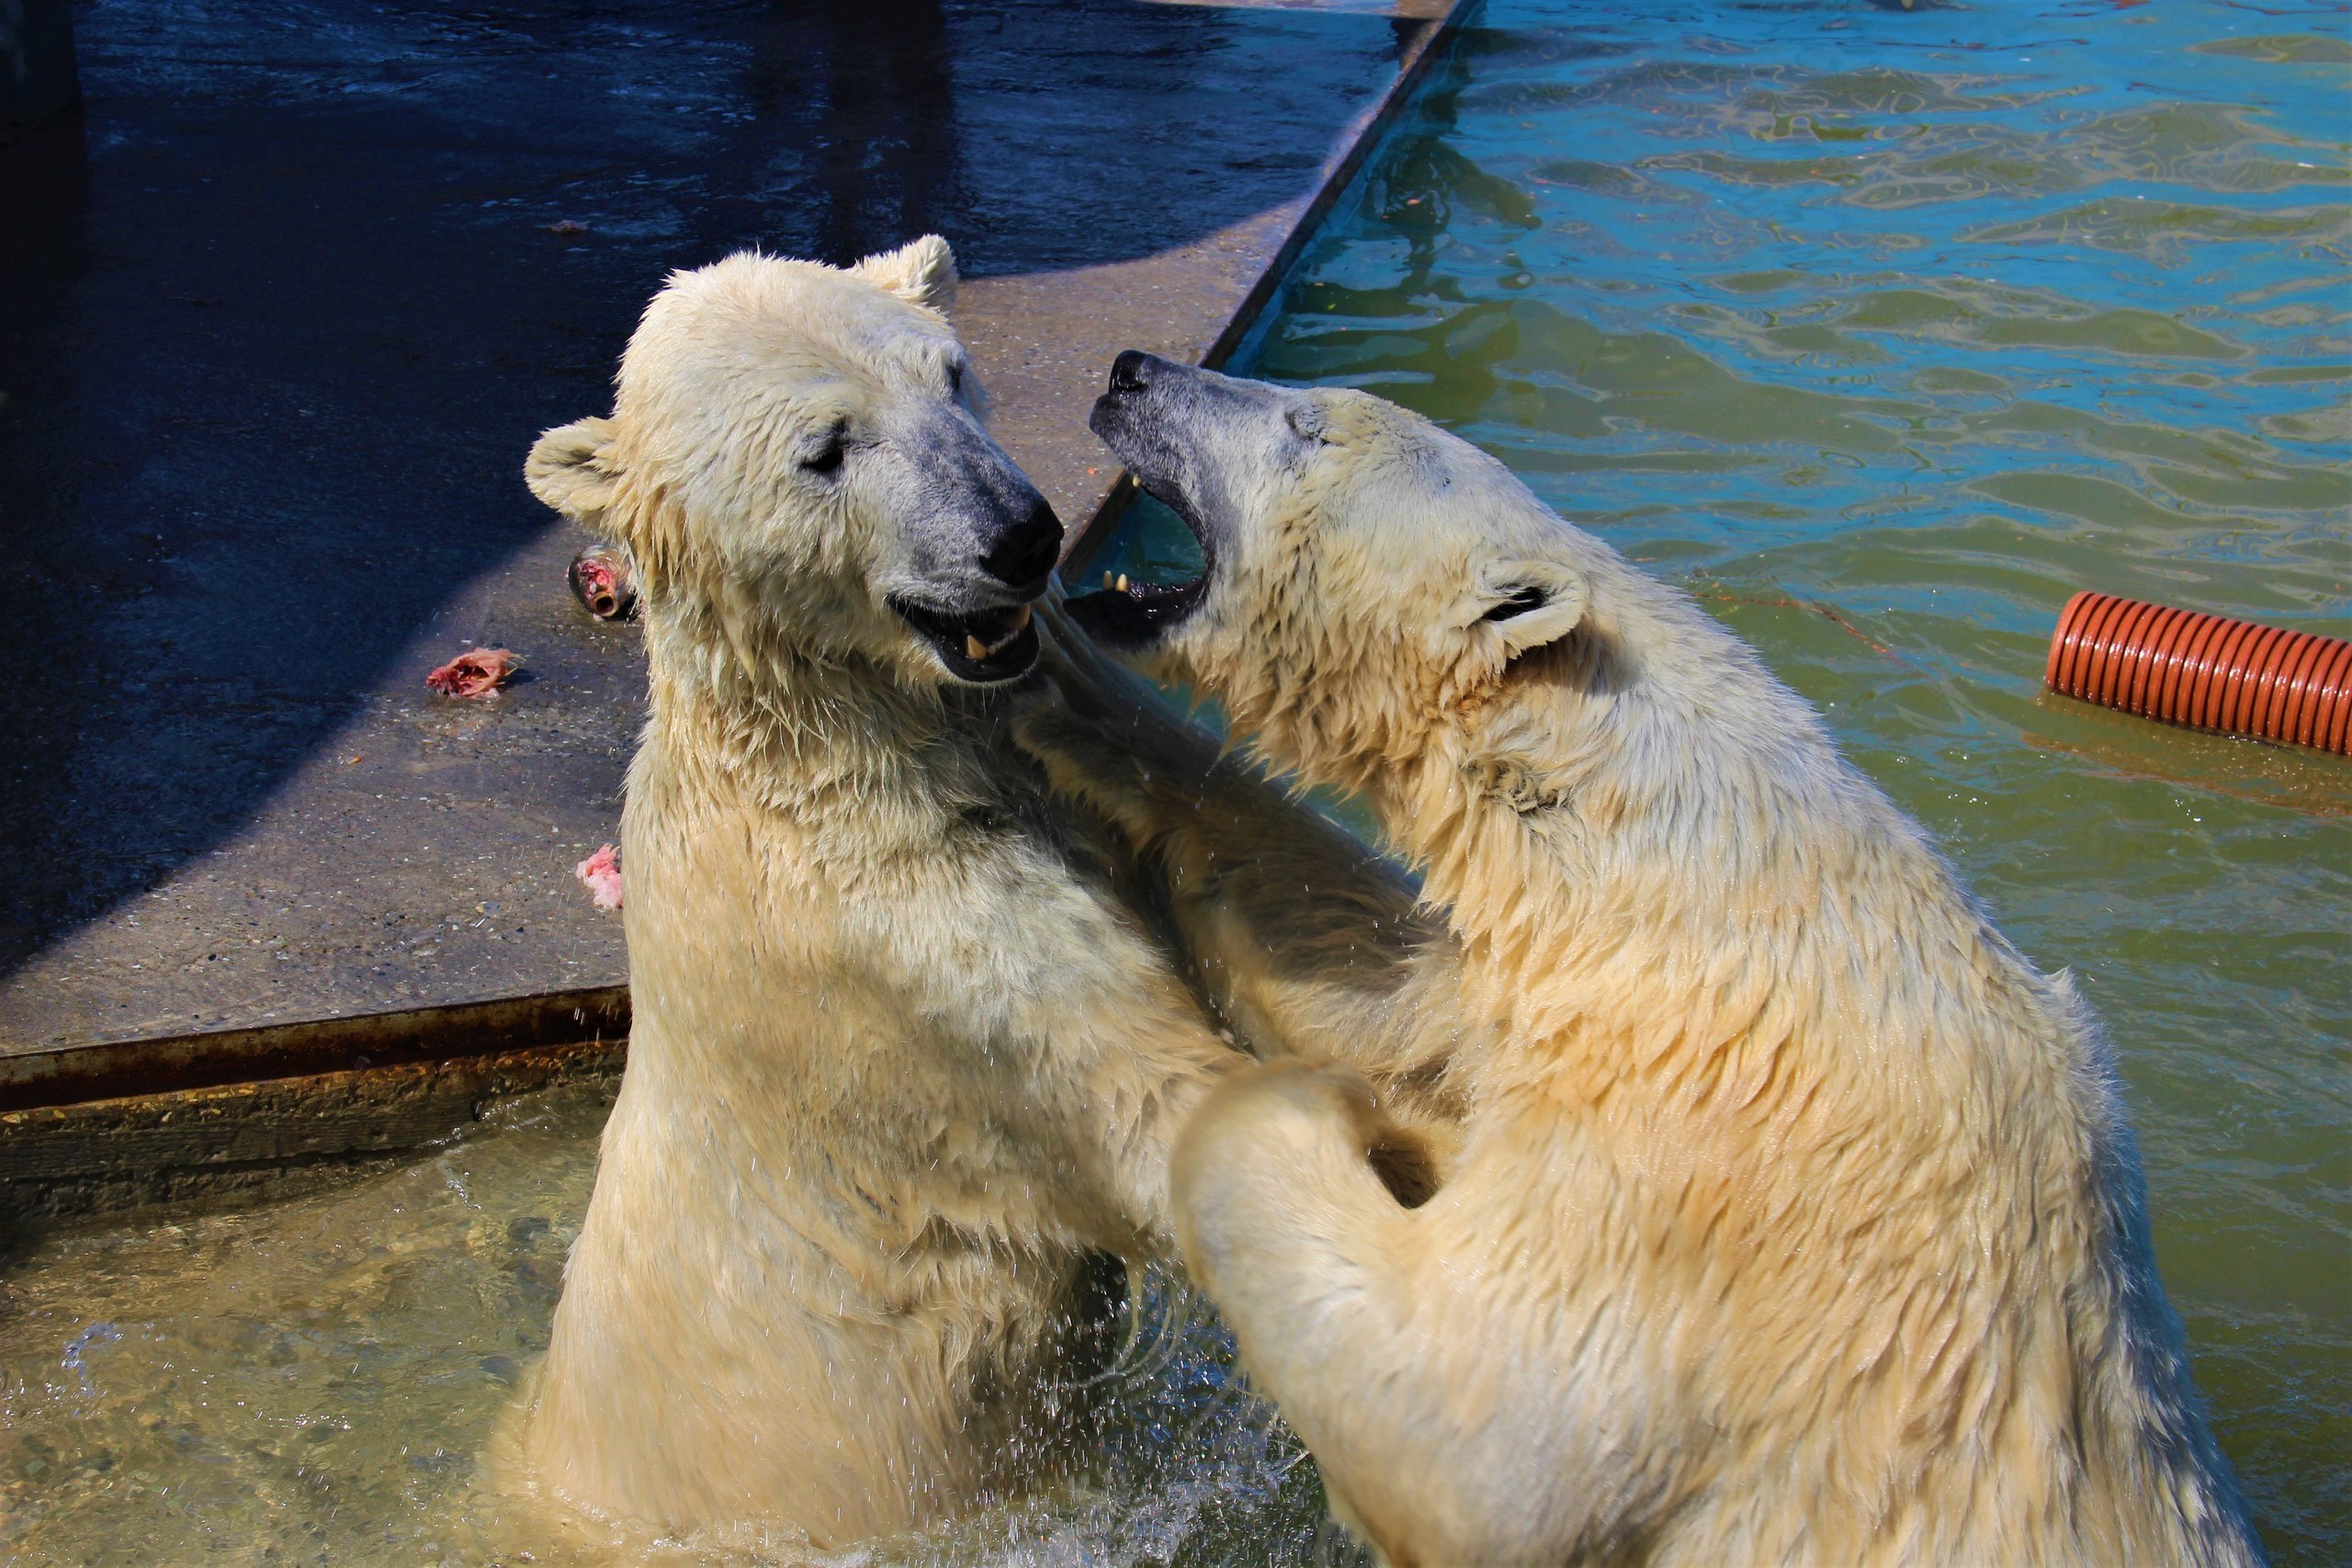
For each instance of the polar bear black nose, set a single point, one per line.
(1127, 370)
(1025, 553)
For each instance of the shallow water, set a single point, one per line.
(303, 1381)
(1883, 332)
(313, 1381)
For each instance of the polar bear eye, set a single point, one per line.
(828, 457)
(954, 380)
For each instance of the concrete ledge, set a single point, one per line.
(1043, 338)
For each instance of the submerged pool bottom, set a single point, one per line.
(313, 1381)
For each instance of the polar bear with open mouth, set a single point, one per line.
(1795, 1219)
(904, 1054)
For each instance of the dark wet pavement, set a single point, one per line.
(279, 319)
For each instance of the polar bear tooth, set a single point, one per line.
(1123, 583)
(1020, 623)
(1106, 583)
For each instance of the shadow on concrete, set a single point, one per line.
(277, 324)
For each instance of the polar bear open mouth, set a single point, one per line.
(1128, 614)
(981, 646)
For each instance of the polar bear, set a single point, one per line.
(1795, 1219)
(904, 1050)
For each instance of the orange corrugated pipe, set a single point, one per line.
(2205, 671)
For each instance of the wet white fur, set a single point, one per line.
(1793, 1220)
(901, 1050)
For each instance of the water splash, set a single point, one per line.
(98, 1334)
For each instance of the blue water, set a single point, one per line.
(1883, 331)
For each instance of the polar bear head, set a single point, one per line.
(1371, 578)
(795, 462)
(1382, 599)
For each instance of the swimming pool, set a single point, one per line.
(1881, 330)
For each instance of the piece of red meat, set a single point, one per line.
(477, 672)
(601, 874)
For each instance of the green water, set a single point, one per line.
(306, 1382)
(1883, 332)
(313, 1381)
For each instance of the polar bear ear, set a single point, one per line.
(922, 271)
(570, 468)
(1532, 603)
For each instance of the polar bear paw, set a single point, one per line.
(1308, 1111)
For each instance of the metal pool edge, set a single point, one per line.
(1419, 56)
(67, 1074)
(263, 1140)
(257, 1113)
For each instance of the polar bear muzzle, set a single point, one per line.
(983, 542)
(982, 647)
(1188, 436)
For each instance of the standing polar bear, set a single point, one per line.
(902, 1052)
(1793, 1220)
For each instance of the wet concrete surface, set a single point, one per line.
(38, 86)
(279, 318)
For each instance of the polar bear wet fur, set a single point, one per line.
(1795, 1219)
(901, 1052)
